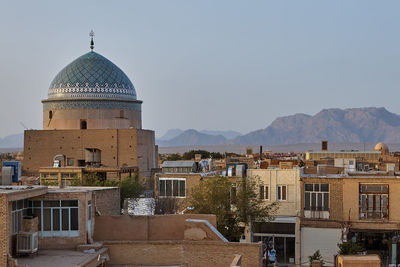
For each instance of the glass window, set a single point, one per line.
(37, 203)
(46, 219)
(325, 206)
(307, 201)
(20, 204)
(69, 203)
(319, 201)
(282, 192)
(56, 219)
(316, 197)
(172, 187)
(162, 188)
(182, 188)
(373, 201)
(169, 188)
(51, 203)
(175, 187)
(65, 219)
(19, 209)
(324, 187)
(313, 201)
(74, 219)
(316, 187)
(308, 187)
(53, 220)
(264, 192)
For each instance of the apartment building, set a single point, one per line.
(358, 207)
(58, 218)
(281, 185)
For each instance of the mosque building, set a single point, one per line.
(91, 107)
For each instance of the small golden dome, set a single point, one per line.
(382, 147)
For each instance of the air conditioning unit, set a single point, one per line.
(27, 242)
(7, 173)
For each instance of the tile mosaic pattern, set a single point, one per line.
(92, 76)
(92, 104)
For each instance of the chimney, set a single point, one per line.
(324, 145)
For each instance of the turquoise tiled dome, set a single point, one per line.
(92, 76)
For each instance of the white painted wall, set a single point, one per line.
(324, 239)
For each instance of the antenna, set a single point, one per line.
(23, 125)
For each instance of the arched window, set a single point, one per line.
(50, 114)
(121, 113)
(83, 125)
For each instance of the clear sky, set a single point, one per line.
(220, 65)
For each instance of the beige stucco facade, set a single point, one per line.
(286, 223)
(282, 177)
(64, 119)
(119, 147)
(171, 240)
(367, 155)
(344, 219)
(351, 203)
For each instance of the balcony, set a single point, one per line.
(316, 213)
(374, 214)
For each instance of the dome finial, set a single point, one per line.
(91, 34)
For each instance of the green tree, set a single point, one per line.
(216, 155)
(165, 205)
(130, 188)
(173, 157)
(316, 257)
(250, 207)
(232, 204)
(349, 248)
(93, 179)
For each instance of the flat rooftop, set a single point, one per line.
(344, 151)
(13, 189)
(59, 258)
(72, 189)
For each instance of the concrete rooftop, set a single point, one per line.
(51, 258)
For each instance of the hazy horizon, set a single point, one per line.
(214, 65)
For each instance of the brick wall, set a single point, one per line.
(68, 242)
(107, 201)
(274, 177)
(129, 147)
(192, 180)
(146, 152)
(157, 227)
(95, 118)
(184, 253)
(335, 196)
(351, 187)
(4, 238)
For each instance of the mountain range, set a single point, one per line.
(172, 133)
(354, 125)
(12, 141)
(192, 137)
